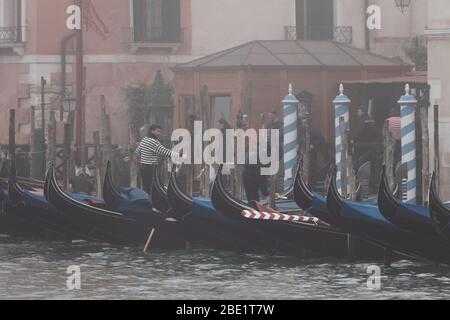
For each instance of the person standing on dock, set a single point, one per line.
(364, 136)
(148, 152)
(81, 183)
(394, 126)
(254, 182)
(316, 145)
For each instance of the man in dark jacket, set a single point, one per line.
(81, 183)
(363, 136)
(316, 144)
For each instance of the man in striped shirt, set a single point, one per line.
(149, 152)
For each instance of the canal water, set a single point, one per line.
(38, 270)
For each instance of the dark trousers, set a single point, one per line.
(147, 171)
(253, 185)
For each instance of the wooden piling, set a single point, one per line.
(305, 144)
(190, 168)
(388, 156)
(32, 141)
(67, 152)
(51, 136)
(205, 115)
(106, 132)
(273, 186)
(12, 134)
(43, 144)
(351, 239)
(351, 169)
(99, 174)
(425, 154)
(436, 144)
(134, 165)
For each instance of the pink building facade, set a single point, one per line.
(125, 43)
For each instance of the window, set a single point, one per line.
(10, 21)
(157, 21)
(220, 109)
(314, 19)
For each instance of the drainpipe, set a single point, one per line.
(367, 38)
(79, 73)
(64, 43)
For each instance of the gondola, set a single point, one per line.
(439, 212)
(180, 203)
(111, 195)
(170, 231)
(159, 193)
(12, 222)
(203, 225)
(26, 182)
(131, 199)
(313, 203)
(35, 217)
(26, 213)
(292, 237)
(102, 224)
(122, 203)
(365, 221)
(415, 218)
(4, 172)
(287, 195)
(302, 195)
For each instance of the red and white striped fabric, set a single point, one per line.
(258, 215)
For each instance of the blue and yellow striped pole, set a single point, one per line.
(408, 105)
(341, 109)
(290, 107)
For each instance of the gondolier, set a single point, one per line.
(149, 152)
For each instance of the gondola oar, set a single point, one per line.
(147, 244)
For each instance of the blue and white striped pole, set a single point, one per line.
(408, 105)
(341, 109)
(290, 107)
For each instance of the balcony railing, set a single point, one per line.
(157, 35)
(10, 34)
(156, 39)
(342, 34)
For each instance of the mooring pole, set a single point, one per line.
(43, 144)
(68, 162)
(408, 105)
(99, 174)
(425, 154)
(290, 107)
(32, 143)
(79, 92)
(344, 153)
(106, 132)
(436, 143)
(51, 134)
(12, 134)
(389, 148)
(341, 108)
